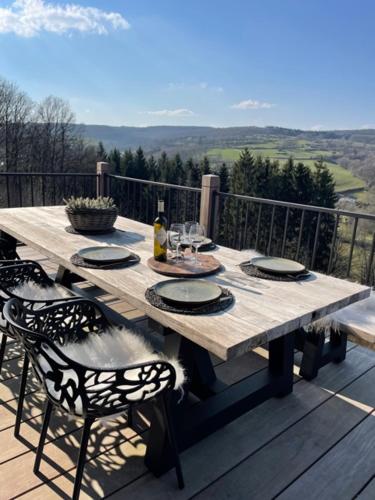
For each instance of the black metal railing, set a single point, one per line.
(21, 189)
(333, 241)
(137, 199)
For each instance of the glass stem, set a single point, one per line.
(196, 255)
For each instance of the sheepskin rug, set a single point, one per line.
(117, 347)
(33, 291)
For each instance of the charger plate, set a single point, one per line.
(188, 292)
(104, 255)
(277, 265)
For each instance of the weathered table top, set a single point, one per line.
(263, 310)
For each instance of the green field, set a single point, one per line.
(345, 180)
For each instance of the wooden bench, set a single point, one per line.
(355, 322)
(358, 322)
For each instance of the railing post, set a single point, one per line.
(102, 182)
(208, 215)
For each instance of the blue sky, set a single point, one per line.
(294, 63)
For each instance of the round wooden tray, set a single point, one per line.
(186, 268)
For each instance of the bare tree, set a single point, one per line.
(55, 136)
(15, 114)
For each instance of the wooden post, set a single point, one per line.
(208, 211)
(102, 184)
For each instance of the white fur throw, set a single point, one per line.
(33, 291)
(117, 348)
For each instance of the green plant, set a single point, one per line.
(102, 202)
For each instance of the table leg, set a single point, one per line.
(215, 408)
(66, 278)
(280, 362)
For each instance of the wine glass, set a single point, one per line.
(197, 235)
(175, 237)
(187, 239)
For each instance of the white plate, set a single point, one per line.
(277, 265)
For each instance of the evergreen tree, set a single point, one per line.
(244, 174)
(193, 173)
(237, 214)
(224, 178)
(324, 186)
(128, 164)
(114, 159)
(140, 165)
(205, 166)
(179, 173)
(153, 169)
(101, 153)
(164, 167)
(287, 187)
(304, 184)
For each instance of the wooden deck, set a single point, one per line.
(318, 442)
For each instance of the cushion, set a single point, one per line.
(117, 347)
(33, 291)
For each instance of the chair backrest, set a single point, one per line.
(78, 389)
(14, 273)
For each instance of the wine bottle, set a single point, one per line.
(160, 234)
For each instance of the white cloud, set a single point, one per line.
(171, 112)
(317, 128)
(368, 126)
(194, 86)
(28, 18)
(252, 104)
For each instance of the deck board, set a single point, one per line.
(302, 445)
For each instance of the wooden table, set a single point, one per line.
(264, 311)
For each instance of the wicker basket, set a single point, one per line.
(92, 219)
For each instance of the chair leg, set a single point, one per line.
(2, 348)
(43, 434)
(82, 457)
(21, 396)
(172, 440)
(130, 416)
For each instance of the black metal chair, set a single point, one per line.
(85, 391)
(12, 274)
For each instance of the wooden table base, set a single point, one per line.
(219, 404)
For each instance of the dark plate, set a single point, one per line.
(277, 265)
(104, 255)
(189, 292)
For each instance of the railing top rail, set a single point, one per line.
(155, 183)
(48, 174)
(300, 206)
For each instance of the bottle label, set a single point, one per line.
(160, 206)
(161, 236)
